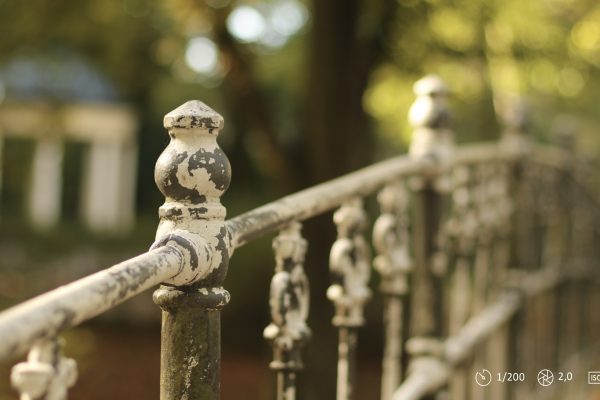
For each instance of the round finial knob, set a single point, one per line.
(193, 172)
(430, 85)
(514, 112)
(194, 114)
(430, 117)
(430, 109)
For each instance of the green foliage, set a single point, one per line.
(546, 51)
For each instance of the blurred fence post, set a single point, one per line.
(514, 114)
(433, 139)
(504, 346)
(193, 173)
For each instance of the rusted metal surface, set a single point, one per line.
(289, 301)
(193, 173)
(48, 314)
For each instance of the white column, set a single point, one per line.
(109, 187)
(128, 185)
(45, 191)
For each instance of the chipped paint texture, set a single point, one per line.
(46, 374)
(193, 244)
(289, 301)
(193, 173)
(349, 263)
(50, 313)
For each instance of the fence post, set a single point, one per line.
(432, 139)
(514, 114)
(193, 173)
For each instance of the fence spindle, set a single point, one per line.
(289, 301)
(349, 262)
(393, 262)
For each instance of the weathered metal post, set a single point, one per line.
(514, 114)
(578, 232)
(193, 173)
(432, 139)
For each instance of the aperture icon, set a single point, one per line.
(545, 377)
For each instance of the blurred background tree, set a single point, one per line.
(309, 91)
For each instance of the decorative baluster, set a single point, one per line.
(462, 228)
(349, 262)
(289, 301)
(46, 374)
(391, 240)
(485, 211)
(573, 299)
(550, 232)
(489, 208)
(500, 203)
(501, 225)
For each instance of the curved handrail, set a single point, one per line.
(50, 313)
(329, 195)
(64, 307)
(69, 305)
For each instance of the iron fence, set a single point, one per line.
(473, 244)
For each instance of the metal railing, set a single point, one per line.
(469, 240)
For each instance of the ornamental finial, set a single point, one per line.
(430, 117)
(193, 173)
(513, 111)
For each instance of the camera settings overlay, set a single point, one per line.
(545, 377)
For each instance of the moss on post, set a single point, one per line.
(193, 173)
